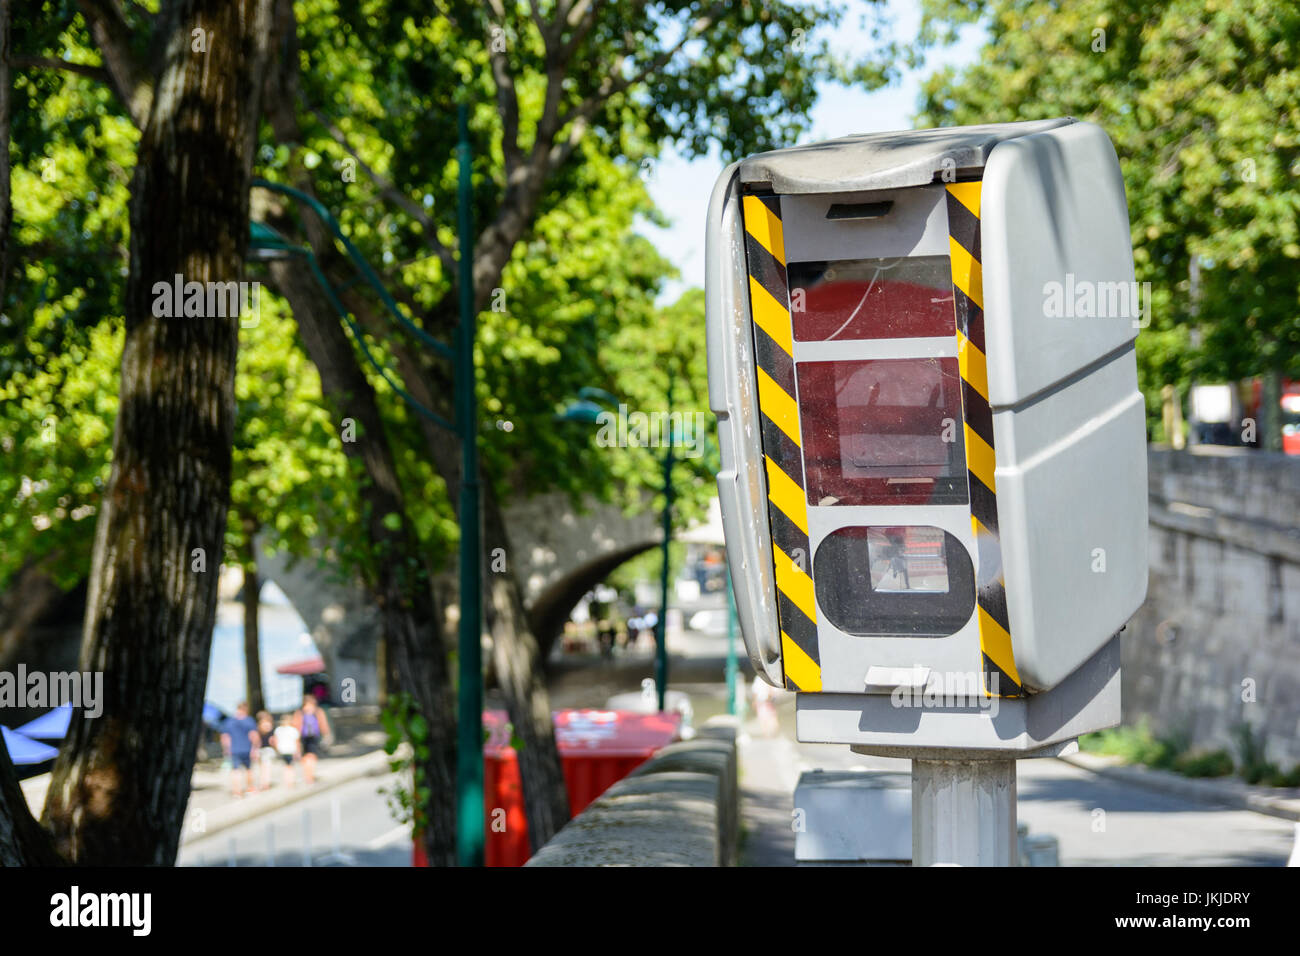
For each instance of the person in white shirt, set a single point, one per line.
(288, 745)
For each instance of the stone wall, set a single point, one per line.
(1217, 643)
(679, 808)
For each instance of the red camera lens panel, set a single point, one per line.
(882, 432)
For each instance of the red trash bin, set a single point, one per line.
(597, 748)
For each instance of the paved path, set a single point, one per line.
(347, 825)
(1098, 821)
(212, 809)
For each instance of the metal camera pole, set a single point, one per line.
(964, 812)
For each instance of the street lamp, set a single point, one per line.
(268, 245)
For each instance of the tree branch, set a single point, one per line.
(128, 76)
(23, 841)
(390, 191)
(54, 63)
(561, 151)
(524, 187)
(611, 87)
(507, 99)
(580, 18)
(428, 382)
(543, 28)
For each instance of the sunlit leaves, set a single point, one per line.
(1202, 101)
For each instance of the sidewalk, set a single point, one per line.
(768, 774)
(769, 770)
(212, 809)
(1057, 797)
(1217, 791)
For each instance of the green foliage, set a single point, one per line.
(1251, 753)
(571, 295)
(1290, 778)
(72, 151)
(1202, 101)
(55, 439)
(578, 302)
(407, 745)
(1135, 744)
(645, 360)
(1214, 763)
(291, 481)
(646, 567)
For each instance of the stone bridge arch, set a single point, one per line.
(558, 551)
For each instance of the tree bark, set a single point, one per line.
(516, 655)
(30, 594)
(252, 590)
(127, 75)
(398, 579)
(521, 678)
(122, 781)
(6, 106)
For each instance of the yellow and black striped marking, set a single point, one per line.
(968, 293)
(787, 503)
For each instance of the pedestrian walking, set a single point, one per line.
(265, 750)
(238, 741)
(314, 730)
(287, 747)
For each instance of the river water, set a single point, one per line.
(283, 638)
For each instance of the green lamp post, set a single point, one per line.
(470, 833)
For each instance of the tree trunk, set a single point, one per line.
(122, 781)
(252, 639)
(515, 653)
(398, 579)
(516, 656)
(520, 675)
(22, 841)
(6, 102)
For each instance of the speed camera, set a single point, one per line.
(921, 357)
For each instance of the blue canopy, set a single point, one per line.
(24, 750)
(51, 726)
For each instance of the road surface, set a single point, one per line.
(366, 834)
(1097, 821)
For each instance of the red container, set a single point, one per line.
(597, 748)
